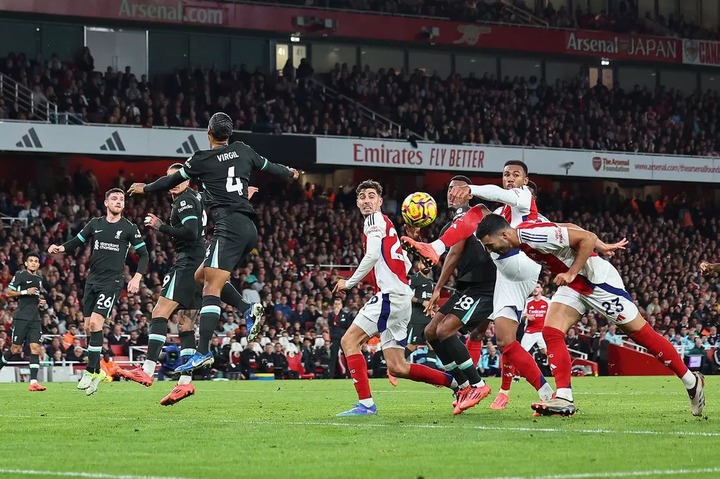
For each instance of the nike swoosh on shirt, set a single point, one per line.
(97, 231)
(28, 282)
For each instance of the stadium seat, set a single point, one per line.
(117, 350)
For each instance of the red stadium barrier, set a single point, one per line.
(628, 362)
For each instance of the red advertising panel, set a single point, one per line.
(365, 26)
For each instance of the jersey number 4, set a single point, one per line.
(232, 183)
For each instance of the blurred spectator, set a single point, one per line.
(490, 362)
(339, 320)
(612, 336)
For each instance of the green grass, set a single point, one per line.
(288, 429)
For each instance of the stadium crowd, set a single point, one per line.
(480, 109)
(668, 238)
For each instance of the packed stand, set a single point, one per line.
(530, 112)
(668, 239)
(479, 109)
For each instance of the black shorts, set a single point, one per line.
(179, 285)
(416, 329)
(470, 306)
(25, 330)
(100, 298)
(233, 239)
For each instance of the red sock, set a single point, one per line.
(558, 356)
(507, 371)
(358, 372)
(524, 364)
(424, 374)
(660, 348)
(463, 228)
(475, 349)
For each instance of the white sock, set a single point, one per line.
(504, 391)
(546, 392)
(33, 381)
(367, 402)
(564, 393)
(689, 380)
(454, 384)
(464, 385)
(149, 367)
(438, 246)
(185, 379)
(480, 384)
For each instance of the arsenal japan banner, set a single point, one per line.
(353, 25)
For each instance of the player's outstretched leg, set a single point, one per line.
(560, 363)
(399, 367)
(450, 342)
(507, 372)
(642, 333)
(253, 312)
(209, 316)
(350, 343)
(513, 353)
(93, 373)
(445, 357)
(460, 230)
(145, 375)
(184, 387)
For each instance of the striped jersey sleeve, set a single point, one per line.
(544, 237)
(375, 225)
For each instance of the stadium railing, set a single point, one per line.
(8, 221)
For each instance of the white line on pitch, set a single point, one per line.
(358, 424)
(88, 475)
(602, 475)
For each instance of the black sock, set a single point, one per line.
(448, 362)
(6, 357)
(187, 346)
(94, 350)
(209, 317)
(34, 366)
(459, 353)
(232, 296)
(157, 336)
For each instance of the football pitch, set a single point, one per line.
(625, 427)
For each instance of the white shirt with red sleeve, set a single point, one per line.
(549, 245)
(384, 259)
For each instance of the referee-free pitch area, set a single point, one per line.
(625, 427)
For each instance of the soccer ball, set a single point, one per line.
(419, 209)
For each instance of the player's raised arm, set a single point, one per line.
(601, 247)
(374, 231)
(583, 242)
(188, 229)
(78, 240)
(161, 184)
(516, 197)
